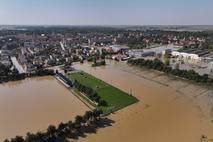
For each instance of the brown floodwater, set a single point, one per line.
(33, 104)
(169, 110)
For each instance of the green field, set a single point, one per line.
(115, 98)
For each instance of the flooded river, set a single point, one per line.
(169, 110)
(33, 104)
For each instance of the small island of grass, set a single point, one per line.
(115, 98)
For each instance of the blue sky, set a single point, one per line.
(106, 12)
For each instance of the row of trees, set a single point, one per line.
(41, 72)
(99, 63)
(12, 75)
(99, 60)
(91, 94)
(64, 130)
(5, 70)
(160, 66)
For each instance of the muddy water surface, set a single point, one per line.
(33, 104)
(169, 110)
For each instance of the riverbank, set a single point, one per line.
(169, 109)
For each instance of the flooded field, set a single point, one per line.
(33, 104)
(169, 110)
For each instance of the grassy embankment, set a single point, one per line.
(116, 99)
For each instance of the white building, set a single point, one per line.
(186, 55)
(162, 49)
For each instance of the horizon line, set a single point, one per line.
(106, 25)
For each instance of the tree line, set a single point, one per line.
(63, 131)
(100, 63)
(12, 75)
(98, 60)
(160, 66)
(90, 93)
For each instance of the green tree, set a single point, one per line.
(30, 137)
(18, 139)
(51, 130)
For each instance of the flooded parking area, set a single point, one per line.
(31, 105)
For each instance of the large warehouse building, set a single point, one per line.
(193, 54)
